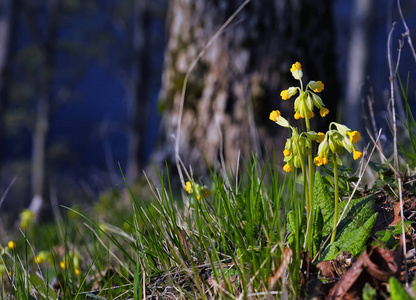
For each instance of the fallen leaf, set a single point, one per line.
(375, 266)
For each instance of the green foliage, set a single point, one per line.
(397, 291)
(355, 227)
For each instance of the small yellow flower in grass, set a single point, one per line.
(323, 111)
(188, 187)
(355, 136)
(11, 245)
(274, 115)
(286, 152)
(77, 272)
(357, 154)
(63, 265)
(38, 260)
(287, 168)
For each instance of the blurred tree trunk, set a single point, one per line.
(48, 43)
(139, 90)
(238, 81)
(8, 27)
(357, 62)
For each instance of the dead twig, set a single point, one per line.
(392, 111)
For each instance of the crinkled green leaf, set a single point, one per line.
(318, 223)
(359, 210)
(397, 291)
(323, 199)
(352, 239)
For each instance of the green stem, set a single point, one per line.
(334, 157)
(309, 205)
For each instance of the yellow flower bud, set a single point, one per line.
(357, 154)
(355, 136)
(318, 160)
(284, 95)
(321, 137)
(11, 245)
(323, 111)
(274, 115)
(317, 86)
(287, 168)
(286, 152)
(296, 70)
(296, 67)
(188, 187)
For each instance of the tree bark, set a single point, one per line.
(238, 81)
(139, 90)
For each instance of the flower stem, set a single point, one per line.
(334, 157)
(309, 198)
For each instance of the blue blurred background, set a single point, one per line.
(87, 73)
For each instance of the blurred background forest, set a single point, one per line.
(86, 85)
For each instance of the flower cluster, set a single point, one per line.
(294, 150)
(199, 190)
(335, 141)
(307, 99)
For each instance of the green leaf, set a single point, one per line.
(397, 291)
(318, 224)
(353, 239)
(40, 285)
(323, 199)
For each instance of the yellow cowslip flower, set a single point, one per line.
(38, 260)
(323, 111)
(356, 154)
(63, 265)
(274, 115)
(310, 115)
(296, 70)
(11, 245)
(287, 168)
(316, 86)
(297, 115)
(318, 160)
(284, 95)
(188, 187)
(286, 152)
(296, 67)
(321, 137)
(355, 136)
